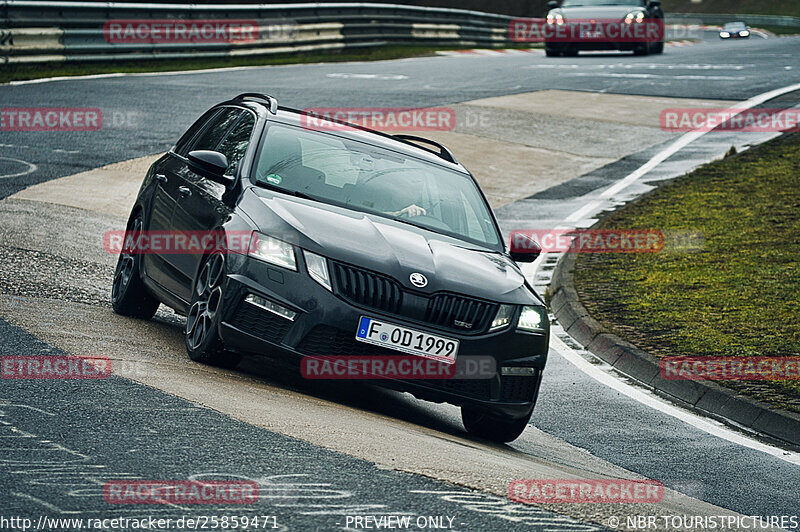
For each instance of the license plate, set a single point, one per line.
(591, 34)
(384, 334)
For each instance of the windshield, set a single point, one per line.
(360, 176)
(734, 26)
(576, 3)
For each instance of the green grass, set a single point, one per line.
(21, 72)
(750, 7)
(778, 30)
(735, 296)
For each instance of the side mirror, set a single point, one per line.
(210, 164)
(552, 4)
(655, 3)
(523, 247)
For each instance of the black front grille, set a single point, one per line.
(459, 312)
(373, 290)
(324, 340)
(260, 323)
(367, 288)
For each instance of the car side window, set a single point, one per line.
(211, 136)
(235, 143)
(183, 144)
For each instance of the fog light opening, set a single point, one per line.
(524, 372)
(269, 306)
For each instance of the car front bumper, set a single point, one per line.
(325, 325)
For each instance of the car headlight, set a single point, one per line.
(556, 18)
(317, 267)
(274, 251)
(638, 16)
(532, 319)
(503, 317)
(744, 33)
(724, 34)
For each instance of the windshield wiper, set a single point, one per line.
(295, 193)
(409, 222)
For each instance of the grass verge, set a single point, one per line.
(735, 296)
(14, 72)
(779, 30)
(760, 7)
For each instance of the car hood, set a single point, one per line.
(598, 12)
(389, 247)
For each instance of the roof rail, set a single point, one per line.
(444, 153)
(271, 100)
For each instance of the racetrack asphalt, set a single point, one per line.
(341, 444)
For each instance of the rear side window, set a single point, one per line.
(183, 144)
(235, 143)
(216, 129)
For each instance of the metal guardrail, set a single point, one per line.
(751, 20)
(38, 31)
(41, 31)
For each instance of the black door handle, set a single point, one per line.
(161, 177)
(184, 191)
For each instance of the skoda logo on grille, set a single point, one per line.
(418, 280)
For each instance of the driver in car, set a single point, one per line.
(409, 212)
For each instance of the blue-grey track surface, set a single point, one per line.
(76, 435)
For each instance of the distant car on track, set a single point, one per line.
(364, 240)
(623, 12)
(734, 30)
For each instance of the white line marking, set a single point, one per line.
(39, 501)
(690, 137)
(25, 406)
(715, 428)
(31, 168)
(657, 76)
(382, 77)
(174, 72)
(709, 426)
(645, 66)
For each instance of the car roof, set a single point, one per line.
(294, 117)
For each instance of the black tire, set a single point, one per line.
(551, 53)
(490, 427)
(658, 48)
(203, 343)
(570, 53)
(129, 297)
(642, 50)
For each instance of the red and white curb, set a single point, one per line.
(495, 52)
(685, 42)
